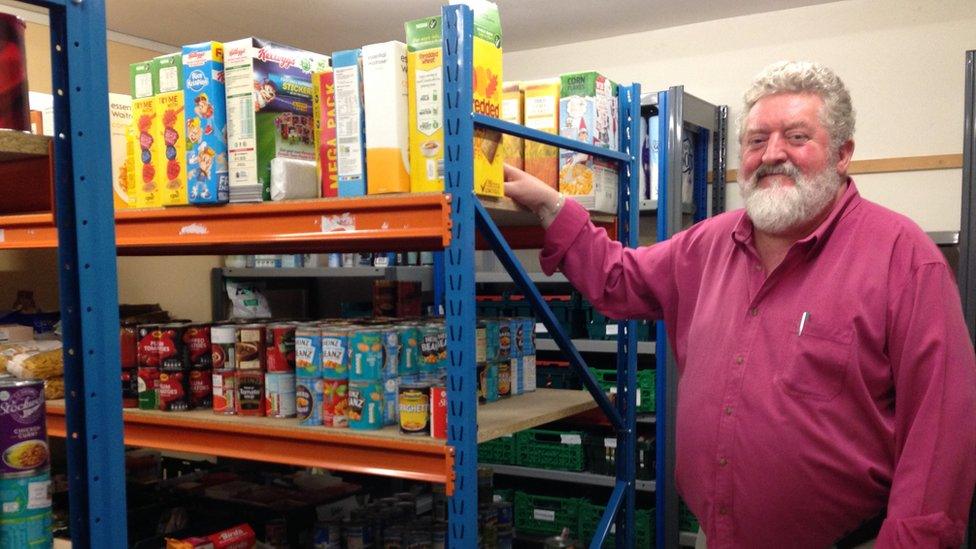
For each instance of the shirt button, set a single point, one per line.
(728, 410)
(738, 359)
(754, 311)
(758, 267)
(723, 462)
(723, 510)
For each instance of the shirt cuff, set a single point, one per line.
(935, 530)
(561, 234)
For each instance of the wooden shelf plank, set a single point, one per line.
(16, 145)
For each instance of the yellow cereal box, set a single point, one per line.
(141, 79)
(120, 121)
(385, 104)
(425, 95)
(541, 112)
(512, 112)
(169, 154)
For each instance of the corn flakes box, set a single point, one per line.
(324, 119)
(588, 113)
(385, 103)
(350, 122)
(424, 61)
(269, 111)
(540, 101)
(120, 121)
(205, 111)
(143, 87)
(512, 112)
(170, 130)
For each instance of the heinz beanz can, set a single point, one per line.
(280, 347)
(335, 400)
(225, 392)
(365, 409)
(308, 400)
(308, 351)
(222, 340)
(366, 360)
(23, 431)
(279, 394)
(335, 351)
(430, 348)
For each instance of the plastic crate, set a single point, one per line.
(559, 450)
(645, 386)
(687, 521)
(600, 326)
(500, 451)
(555, 374)
(566, 309)
(490, 306)
(601, 453)
(546, 515)
(589, 519)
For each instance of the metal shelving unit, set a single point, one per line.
(590, 479)
(594, 346)
(966, 275)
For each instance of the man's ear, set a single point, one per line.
(844, 154)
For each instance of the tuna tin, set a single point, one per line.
(23, 431)
(225, 392)
(174, 391)
(308, 351)
(335, 351)
(438, 412)
(280, 347)
(366, 360)
(414, 408)
(250, 393)
(365, 409)
(335, 400)
(222, 340)
(196, 337)
(249, 348)
(201, 388)
(279, 391)
(25, 496)
(308, 400)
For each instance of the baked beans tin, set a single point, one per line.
(365, 409)
(250, 393)
(433, 348)
(33, 530)
(491, 339)
(198, 346)
(391, 411)
(413, 406)
(174, 391)
(249, 347)
(130, 388)
(279, 391)
(222, 343)
(480, 343)
(335, 351)
(201, 388)
(504, 339)
(174, 356)
(308, 400)
(335, 400)
(517, 331)
(148, 388)
(225, 392)
(409, 335)
(505, 378)
(391, 351)
(23, 431)
(308, 351)
(366, 359)
(438, 411)
(280, 350)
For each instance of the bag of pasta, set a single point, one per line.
(32, 359)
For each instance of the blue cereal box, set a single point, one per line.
(347, 69)
(206, 123)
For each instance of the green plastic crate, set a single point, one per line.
(599, 326)
(645, 386)
(601, 453)
(546, 515)
(500, 451)
(559, 450)
(687, 521)
(589, 519)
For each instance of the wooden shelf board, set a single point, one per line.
(16, 145)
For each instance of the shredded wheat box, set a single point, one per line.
(512, 112)
(206, 123)
(350, 121)
(324, 110)
(120, 121)
(541, 112)
(385, 100)
(169, 153)
(269, 111)
(588, 113)
(143, 87)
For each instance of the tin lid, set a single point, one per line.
(222, 334)
(17, 383)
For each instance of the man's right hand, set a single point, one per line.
(530, 192)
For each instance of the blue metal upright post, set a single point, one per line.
(462, 402)
(88, 279)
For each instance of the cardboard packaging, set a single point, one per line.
(120, 120)
(588, 113)
(350, 122)
(269, 111)
(206, 123)
(541, 112)
(324, 119)
(169, 156)
(385, 101)
(10, 333)
(512, 112)
(143, 87)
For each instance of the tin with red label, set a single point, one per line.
(128, 345)
(308, 400)
(250, 393)
(438, 412)
(174, 356)
(280, 351)
(130, 388)
(148, 388)
(196, 337)
(147, 354)
(222, 342)
(249, 349)
(335, 399)
(225, 392)
(279, 394)
(174, 391)
(201, 388)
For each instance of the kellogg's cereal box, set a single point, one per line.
(512, 112)
(206, 123)
(169, 153)
(385, 103)
(324, 111)
(269, 111)
(541, 112)
(588, 113)
(143, 87)
(350, 122)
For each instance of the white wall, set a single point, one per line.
(902, 60)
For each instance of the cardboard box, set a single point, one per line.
(10, 333)
(324, 111)
(269, 111)
(588, 113)
(512, 112)
(350, 122)
(385, 102)
(205, 110)
(143, 87)
(120, 120)
(169, 147)
(541, 112)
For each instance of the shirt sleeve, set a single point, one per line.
(620, 282)
(934, 373)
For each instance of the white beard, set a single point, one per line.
(780, 208)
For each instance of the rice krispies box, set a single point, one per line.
(269, 111)
(588, 113)
(206, 123)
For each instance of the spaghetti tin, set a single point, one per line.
(365, 409)
(335, 351)
(196, 337)
(225, 392)
(222, 339)
(308, 400)
(335, 400)
(23, 431)
(366, 359)
(279, 391)
(438, 411)
(280, 347)
(174, 391)
(250, 393)
(249, 348)
(413, 405)
(201, 388)
(409, 349)
(308, 351)
(148, 388)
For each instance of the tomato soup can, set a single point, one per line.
(391, 394)
(365, 411)
(250, 393)
(308, 351)
(225, 392)
(335, 351)
(280, 350)
(409, 335)
(366, 358)
(335, 400)
(413, 406)
(201, 388)
(279, 391)
(23, 428)
(222, 340)
(308, 400)
(196, 337)
(249, 348)
(438, 411)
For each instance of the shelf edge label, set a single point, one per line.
(338, 223)
(194, 228)
(1, 235)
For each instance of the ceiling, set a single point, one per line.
(330, 25)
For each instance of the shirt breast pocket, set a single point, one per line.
(817, 362)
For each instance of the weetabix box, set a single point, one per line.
(588, 113)
(169, 154)
(424, 61)
(385, 103)
(541, 112)
(143, 87)
(120, 121)
(269, 111)
(347, 72)
(512, 112)
(324, 117)
(206, 123)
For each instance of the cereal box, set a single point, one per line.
(143, 87)
(269, 111)
(512, 112)
(541, 112)
(350, 122)
(120, 120)
(324, 110)
(385, 101)
(169, 154)
(424, 61)
(206, 123)
(588, 113)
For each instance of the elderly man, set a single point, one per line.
(826, 380)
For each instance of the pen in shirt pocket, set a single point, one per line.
(803, 321)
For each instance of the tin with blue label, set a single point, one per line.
(308, 351)
(390, 336)
(391, 410)
(366, 362)
(24, 496)
(409, 363)
(335, 351)
(366, 405)
(308, 400)
(491, 339)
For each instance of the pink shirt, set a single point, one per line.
(794, 439)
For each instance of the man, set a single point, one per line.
(825, 374)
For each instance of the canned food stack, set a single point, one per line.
(280, 387)
(173, 366)
(25, 477)
(334, 377)
(367, 370)
(128, 345)
(386, 522)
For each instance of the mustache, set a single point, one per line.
(786, 168)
